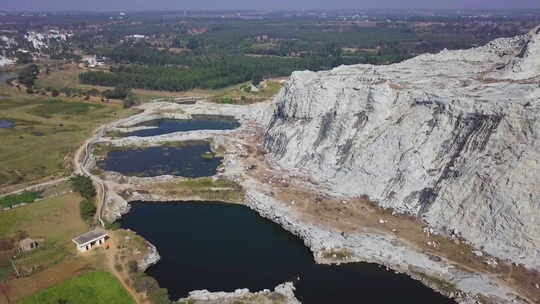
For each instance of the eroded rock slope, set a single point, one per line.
(452, 138)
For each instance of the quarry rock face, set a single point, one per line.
(452, 138)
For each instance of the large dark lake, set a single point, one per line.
(186, 161)
(198, 122)
(223, 247)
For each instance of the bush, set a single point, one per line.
(117, 93)
(55, 93)
(133, 267)
(112, 226)
(83, 185)
(88, 209)
(28, 75)
(144, 283)
(129, 101)
(14, 199)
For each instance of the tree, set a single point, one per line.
(55, 93)
(129, 101)
(193, 44)
(119, 92)
(256, 79)
(83, 185)
(28, 75)
(88, 209)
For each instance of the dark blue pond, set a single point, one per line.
(223, 247)
(199, 122)
(184, 161)
(6, 124)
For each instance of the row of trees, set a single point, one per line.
(156, 70)
(84, 186)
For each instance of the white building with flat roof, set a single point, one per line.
(90, 240)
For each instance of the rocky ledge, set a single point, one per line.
(283, 293)
(450, 138)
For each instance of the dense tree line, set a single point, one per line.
(160, 70)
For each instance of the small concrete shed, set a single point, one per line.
(90, 240)
(28, 244)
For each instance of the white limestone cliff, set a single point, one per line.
(452, 138)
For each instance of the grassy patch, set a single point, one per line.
(93, 287)
(46, 134)
(54, 221)
(204, 188)
(242, 94)
(207, 155)
(57, 107)
(25, 197)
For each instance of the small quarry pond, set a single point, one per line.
(186, 161)
(223, 247)
(5, 76)
(6, 124)
(198, 122)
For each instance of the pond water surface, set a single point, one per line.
(186, 161)
(223, 247)
(198, 122)
(6, 124)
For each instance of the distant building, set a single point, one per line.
(28, 244)
(136, 37)
(91, 61)
(90, 240)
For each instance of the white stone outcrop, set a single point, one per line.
(285, 291)
(452, 138)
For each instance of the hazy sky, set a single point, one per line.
(257, 4)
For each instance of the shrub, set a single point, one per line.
(133, 267)
(129, 101)
(83, 185)
(117, 93)
(88, 209)
(24, 197)
(118, 267)
(28, 75)
(112, 226)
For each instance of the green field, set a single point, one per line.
(25, 197)
(92, 288)
(53, 220)
(46, 134)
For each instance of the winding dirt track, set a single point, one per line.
(80, 160)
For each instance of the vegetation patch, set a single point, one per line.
(24, 197)
(62, 126)
(83, 185)
(243, 93)
(53, 220)
(205, 188)
(92, 287)
(57, 107)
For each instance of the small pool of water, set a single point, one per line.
(223, 247)
(198, 122)
(6, 124)
(5, 76)
(186, 161)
